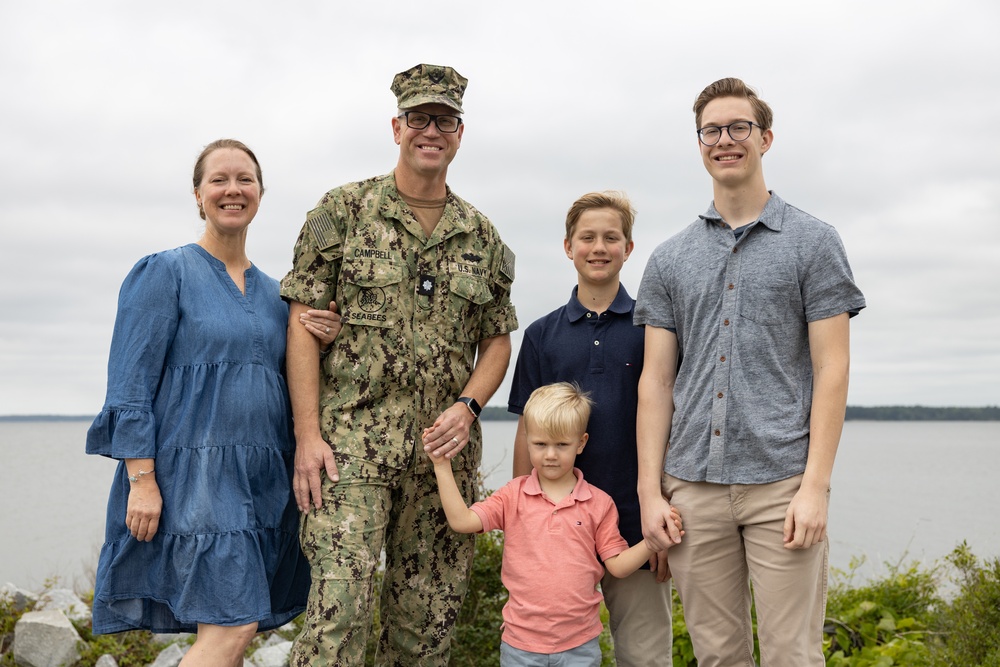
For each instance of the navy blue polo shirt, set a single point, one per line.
(602, 353)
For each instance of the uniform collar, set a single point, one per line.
(770, 217)
(454, 219)
(622, 305)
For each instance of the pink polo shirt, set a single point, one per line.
(550, 565)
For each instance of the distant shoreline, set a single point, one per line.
(876, 413)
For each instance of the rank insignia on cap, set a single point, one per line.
(507, 265)
(323, 229)
(425, 286)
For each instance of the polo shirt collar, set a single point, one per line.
(581, 490)
(770, 217)
(622, 305)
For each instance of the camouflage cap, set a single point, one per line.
(429, 84)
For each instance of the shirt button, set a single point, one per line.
(722, 358)
(734, 249)
(588, 315)
(719, 394)
(725, 323)
(731, 286)
(597, 342)
(718, 432)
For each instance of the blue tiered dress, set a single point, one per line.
(195, 381)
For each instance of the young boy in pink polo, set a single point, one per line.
(557, 531)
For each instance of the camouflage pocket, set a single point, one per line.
(467, 298)
(371, 293)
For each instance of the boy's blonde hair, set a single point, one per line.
(616, 201)
(559, 409)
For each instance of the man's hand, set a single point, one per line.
(449, 434)
(805, 518)
(312, 455)
(660, 524)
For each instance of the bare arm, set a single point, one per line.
(312, 453)
(145, 505)
(450, 432)
(629, 560)
(460, 518)
(655, 412)
(829, 349)
(522, 463)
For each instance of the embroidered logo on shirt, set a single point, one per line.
(471, 257)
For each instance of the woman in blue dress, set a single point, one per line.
(202, 528)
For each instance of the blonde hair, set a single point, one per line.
(616, 201)
(733, 87)
(559, 409)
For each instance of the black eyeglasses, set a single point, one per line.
(418, 120)
(738, 131)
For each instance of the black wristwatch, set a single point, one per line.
(472, 404)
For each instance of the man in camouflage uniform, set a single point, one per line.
(423, 281)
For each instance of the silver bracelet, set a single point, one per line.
(135, 478)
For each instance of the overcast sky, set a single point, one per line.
(887, 116)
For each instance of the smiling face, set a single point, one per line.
(598, 246)
(229, 192)
(734, 164)
(551, 455)
(426, 153)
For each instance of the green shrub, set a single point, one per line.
(970, 625)
(883, 621)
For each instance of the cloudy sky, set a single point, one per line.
(885, 114)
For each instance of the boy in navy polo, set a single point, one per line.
(591, 341)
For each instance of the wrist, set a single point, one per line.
(472, 404)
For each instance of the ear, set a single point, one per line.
(568, 247)
(766, 138)
(461, 131)
(628, 249)
(583, 443)
(397, 130)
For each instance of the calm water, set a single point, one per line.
(901, 491)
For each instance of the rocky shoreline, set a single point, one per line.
(46, 634)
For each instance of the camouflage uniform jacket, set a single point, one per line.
(414, 310)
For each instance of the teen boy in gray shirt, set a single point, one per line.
(745, 376)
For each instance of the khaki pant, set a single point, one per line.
(733, 537)
(640, 619)
(426, 573)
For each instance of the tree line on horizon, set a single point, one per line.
(875, 413)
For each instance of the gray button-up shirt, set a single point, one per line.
(740, 309)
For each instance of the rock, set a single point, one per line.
(106, 661)
(272, 640)
(65, 601)
(171, 637)
(45, 639)
(21, 598)
(272, 656)
(170, 656)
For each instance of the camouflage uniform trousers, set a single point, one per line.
(426, 573)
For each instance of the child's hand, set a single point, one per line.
(675, 516)
(436, 460)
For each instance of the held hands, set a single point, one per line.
(325, 325)
(662, 526)
(805, 518)
(449, 434)
(142, 515)
(312, 454)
